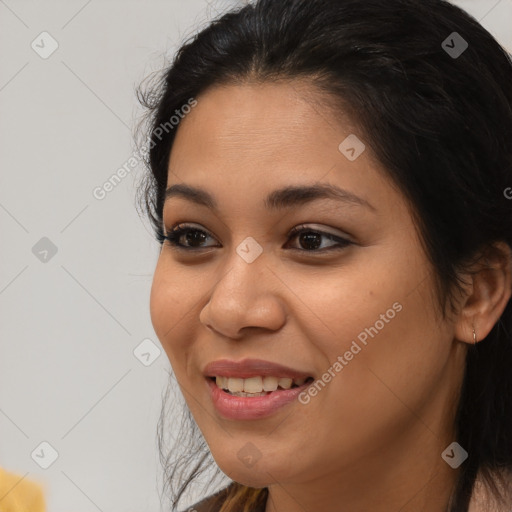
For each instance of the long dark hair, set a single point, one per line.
(431, 91)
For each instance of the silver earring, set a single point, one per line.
(474, 336)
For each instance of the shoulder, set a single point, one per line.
(484, 500)
(211, 503)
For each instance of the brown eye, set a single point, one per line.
(187, 238)
(310, 240)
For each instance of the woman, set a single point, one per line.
(329, 180)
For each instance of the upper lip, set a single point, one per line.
(247, 368)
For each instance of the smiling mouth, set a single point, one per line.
(258, 386)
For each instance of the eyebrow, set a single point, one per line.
(287, 197)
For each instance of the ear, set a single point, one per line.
(488, 290)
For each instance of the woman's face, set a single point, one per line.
(360, 319)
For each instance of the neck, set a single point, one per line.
(410, 477)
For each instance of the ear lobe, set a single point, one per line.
(487, 294)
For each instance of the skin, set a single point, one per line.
(372, 438)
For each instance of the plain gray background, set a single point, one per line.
(72, 319)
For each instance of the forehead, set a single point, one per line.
(258, 107)
(255, 128)
(244, 141)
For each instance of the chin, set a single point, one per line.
(250, 477)
(259, 475)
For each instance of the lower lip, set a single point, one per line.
(251, 408)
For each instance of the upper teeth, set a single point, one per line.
(256, 384)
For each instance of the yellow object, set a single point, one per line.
(17, 494)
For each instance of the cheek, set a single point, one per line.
(171, 307)
(384, 348)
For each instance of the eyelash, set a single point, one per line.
(179, 230)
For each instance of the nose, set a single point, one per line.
(245, 297)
